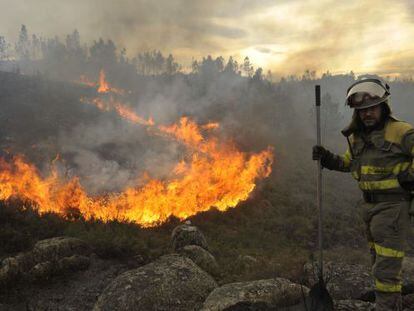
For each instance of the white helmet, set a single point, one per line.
(367, 93)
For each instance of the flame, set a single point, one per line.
(85, 81)
(130, 115)
(111, 104)
(213, 173)
(211, 126)
(186, 131)
(102, 86)
(222, 178)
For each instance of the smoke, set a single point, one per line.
(109, 154)
(138, 25)
(363, 36)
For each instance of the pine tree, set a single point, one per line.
(23, 44)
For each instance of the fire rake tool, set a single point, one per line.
(319, 297)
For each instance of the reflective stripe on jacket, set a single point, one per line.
(378, 157)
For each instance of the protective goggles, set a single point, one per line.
(364, 100)
(367, 93)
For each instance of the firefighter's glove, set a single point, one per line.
(326, 157)
(318, 152)
(406, 180)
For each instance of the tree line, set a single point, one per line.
(69, 58)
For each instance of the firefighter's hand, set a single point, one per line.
(319, 152)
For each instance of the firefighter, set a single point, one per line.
(380, 157)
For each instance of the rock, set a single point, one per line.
(42, 271)
(172, 282)
(344, 281)
(139, 259)
(246, 262)
(9, 270)
(187, 234)
(46, 269)
(48, 257)
(74, 263)
(354, 305)
(201, 258)
(255, 295)
(56, 248)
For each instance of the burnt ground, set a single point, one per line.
(78, 291)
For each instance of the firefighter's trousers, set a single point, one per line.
(387, 225)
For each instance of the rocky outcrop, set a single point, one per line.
(345, 281)
(60, 247)
(189, 241)
(256, 295)
(48, 257)
(187, 234)
(201, 258)
(172, 282)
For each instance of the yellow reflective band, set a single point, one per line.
(379, 185)
(388, 252)
(371, 245)
(347, 158)
(355, 175)
(389, 288)
(400, 167)
(347, 162)
(372, 170)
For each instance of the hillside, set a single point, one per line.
(277, 224)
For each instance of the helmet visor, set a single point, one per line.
(366, 94)
(362, 100)
(367, 87)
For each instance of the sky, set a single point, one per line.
(285, 36)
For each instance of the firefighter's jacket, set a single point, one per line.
(376, 159)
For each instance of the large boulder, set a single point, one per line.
(256, 295)
(48, 257)
(172, 282)
(187, 234)
(201, 258)
(353, 282)
(46, 269)
(60, 247)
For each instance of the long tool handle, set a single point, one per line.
(319, 179)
